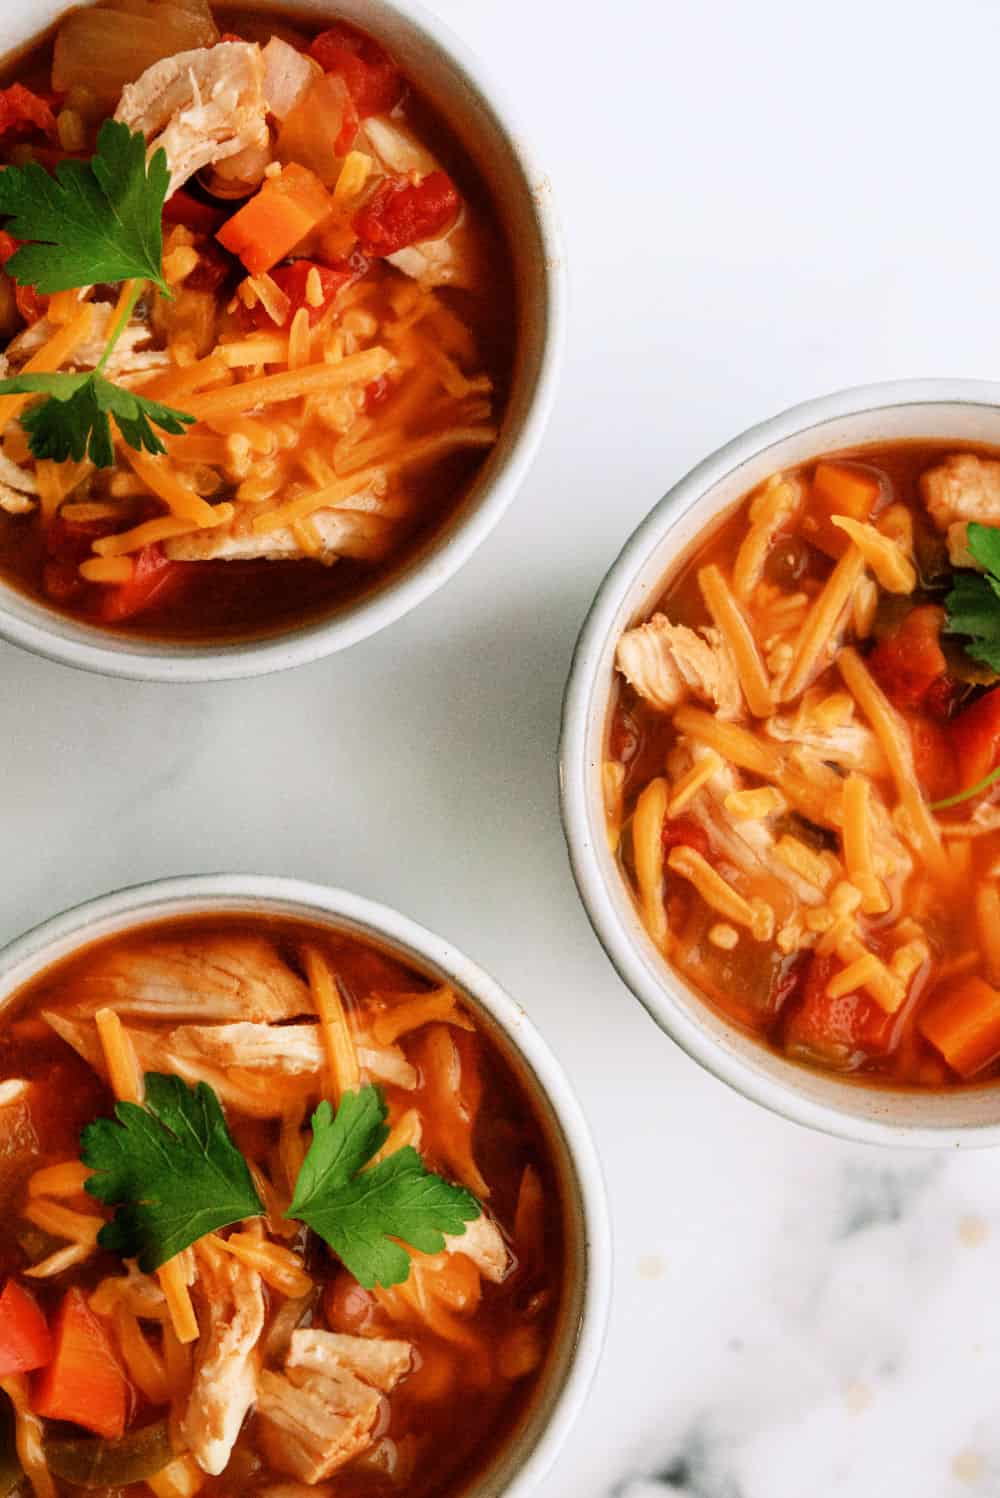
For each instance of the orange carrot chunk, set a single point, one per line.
(838, 489)
(963, 1023)
(84, 1382)
(276, 219)
(25, 1343)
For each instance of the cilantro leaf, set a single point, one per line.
(74, 422)
(96, 220)
(171, 1168)
(974, 601)
(361, 1212)
(984, 543)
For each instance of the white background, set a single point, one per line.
(762, 202)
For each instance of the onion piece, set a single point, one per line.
(94, 50)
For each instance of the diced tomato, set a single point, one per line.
(25, 1343)
(67, 544)
(84, 1382)
(909, 663)
(376, 394)
(684, 832)
(373, 80)
(401, 212)
(933, 756)
(293, 280)
(840, 1030)
(230, 36)
(975, 738)
(154, 580)
(184, 208)
(22, 111)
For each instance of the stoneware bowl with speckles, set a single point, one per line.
(962, 411)
(476, 108)
(522, 1464)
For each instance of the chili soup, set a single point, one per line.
(334, 322)
(799, 758)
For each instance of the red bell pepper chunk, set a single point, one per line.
(184, 208)
(154, 580)
(910, 665)
(400, 213)
(372, 78)
(837, 1029)
(933, 756)
(22, 111)
(25, 1343)
(975, 738)
(84, 1382)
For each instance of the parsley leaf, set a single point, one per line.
(171, 1168)
(75, 423)
(361, 1212)
(96, 220)
(974, 601)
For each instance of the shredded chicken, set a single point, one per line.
(963, 487)
(322, 1411)
(665, 662)
(849, 746)
(380, 1362)
(202, 107)
(748, 845)
(250, 1066)
(483, 1243)
(293, 1050)
(206, 978)
(133, 354)
(225, 1375)
(339, 533)
(14, 501)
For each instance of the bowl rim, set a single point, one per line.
(778, 1096)
(154, 897)
(176, 661)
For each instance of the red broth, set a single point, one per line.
(850, 929)
(479, 1345)
(421, 431)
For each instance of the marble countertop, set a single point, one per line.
(762, 203)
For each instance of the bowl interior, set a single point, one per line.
(441, 68)
(579, 1329)
(660, 545)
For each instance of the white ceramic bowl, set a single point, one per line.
(962, 411)
(475, 106)
(524, 1461)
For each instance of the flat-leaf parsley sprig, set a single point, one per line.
(361, 1209)
(92, 221)
(173, 1173)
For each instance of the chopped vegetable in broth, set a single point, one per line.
(278, 1217)
(802, 777)
(257, 316)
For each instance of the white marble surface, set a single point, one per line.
(763, 202)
